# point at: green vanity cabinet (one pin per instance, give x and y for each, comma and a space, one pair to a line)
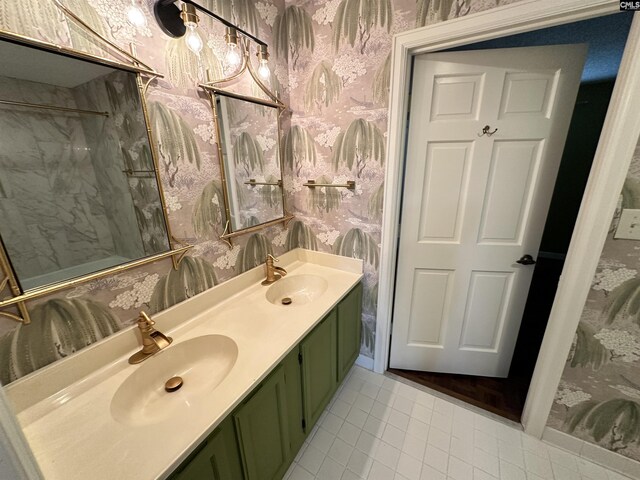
263, 430
217, 458
349, 330
259, 440
293, 384
319, 363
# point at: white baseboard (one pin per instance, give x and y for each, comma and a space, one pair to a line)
364, 362
611, 460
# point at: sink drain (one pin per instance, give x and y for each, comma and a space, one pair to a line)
286, 301
173, 384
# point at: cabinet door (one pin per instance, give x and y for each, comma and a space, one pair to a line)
217, 458
293, 382
349, 328
319, 363
263, 431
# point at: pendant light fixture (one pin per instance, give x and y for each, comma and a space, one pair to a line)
190, 19
135, 15
263, 59
177, 21
232, 57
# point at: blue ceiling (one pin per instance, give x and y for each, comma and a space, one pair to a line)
606, 37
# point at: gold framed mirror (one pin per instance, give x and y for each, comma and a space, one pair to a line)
80, 192
249, 149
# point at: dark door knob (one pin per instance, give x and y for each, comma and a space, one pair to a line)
526, 260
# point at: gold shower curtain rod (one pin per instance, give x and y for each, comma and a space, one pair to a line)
52, 107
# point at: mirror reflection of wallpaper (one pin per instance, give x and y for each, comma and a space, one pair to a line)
251, 152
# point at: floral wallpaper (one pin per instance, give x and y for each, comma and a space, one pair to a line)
598, 399
182, 123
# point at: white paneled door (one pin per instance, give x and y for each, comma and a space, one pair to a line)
474, 204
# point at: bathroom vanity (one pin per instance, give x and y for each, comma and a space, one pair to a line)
257, 375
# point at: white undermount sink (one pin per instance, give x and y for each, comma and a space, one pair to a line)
300, 289
202, 363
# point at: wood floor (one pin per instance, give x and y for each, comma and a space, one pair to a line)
502, 396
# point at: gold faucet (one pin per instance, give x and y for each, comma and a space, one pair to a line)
273, 273
152, 340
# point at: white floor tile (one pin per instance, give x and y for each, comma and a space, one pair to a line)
422, 413
462, 449
430, 473
360, 463
349, 433
341, 451
393, 436
357, 417
340, 408
381, 411
380, 472
388, 455
563, 473
418, 429
299, 473
436, 458
508, 471
348, 395
311, 459
398, 419
332, 423
409, 467
459, 470
414, 447
482, 475
349, 475
377, 428
322, 440
403, 404
439, 439
486, 462
443, 421
537, 465
511, 453
368, 443
485, 442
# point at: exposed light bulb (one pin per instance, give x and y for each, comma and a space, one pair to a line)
136, 16
263, 70
194, 42
232, 57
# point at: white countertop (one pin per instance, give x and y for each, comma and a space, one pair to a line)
71, 430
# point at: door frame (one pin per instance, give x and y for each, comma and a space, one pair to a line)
618, 140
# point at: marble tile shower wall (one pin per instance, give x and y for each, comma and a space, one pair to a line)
119, 143
46, 168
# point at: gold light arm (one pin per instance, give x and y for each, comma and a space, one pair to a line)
108, 42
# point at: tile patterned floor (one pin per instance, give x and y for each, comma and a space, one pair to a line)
377, 428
